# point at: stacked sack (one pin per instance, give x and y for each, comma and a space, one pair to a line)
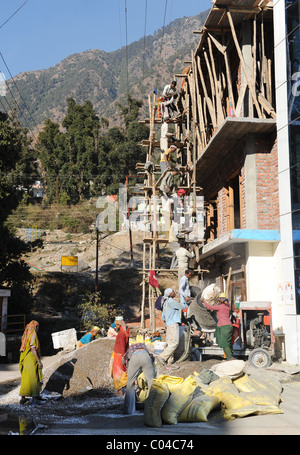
174, 399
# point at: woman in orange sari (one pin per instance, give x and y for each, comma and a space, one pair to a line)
118, 370
30, 363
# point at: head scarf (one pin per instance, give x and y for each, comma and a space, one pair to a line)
223, 299
95, 328
29, 330
168, 292
181, 191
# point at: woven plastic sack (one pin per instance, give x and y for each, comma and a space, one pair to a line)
211, 294
178, 400
159, 394
228, 394
199, 409
262, 392
232, 368
236, 404
173, 382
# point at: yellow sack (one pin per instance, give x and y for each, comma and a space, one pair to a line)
178, 400
143, 391
172, 381
262, 392
253, 409
236, 404
199, 409
228, 394
159, 394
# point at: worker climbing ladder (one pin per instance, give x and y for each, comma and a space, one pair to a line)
151, 172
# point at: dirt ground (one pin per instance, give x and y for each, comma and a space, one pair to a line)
78, 383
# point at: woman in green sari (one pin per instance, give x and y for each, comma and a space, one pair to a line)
30, 363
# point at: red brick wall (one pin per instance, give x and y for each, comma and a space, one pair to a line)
267, 185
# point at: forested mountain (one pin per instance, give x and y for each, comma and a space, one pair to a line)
101, 77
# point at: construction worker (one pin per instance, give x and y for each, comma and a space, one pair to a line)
172, 318
165, 136
137, 359
223, 332
183, 255
169, 95
184, 287
167, 158
168, 184
88, 337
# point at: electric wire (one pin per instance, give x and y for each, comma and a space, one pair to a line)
13, 79
21, 96
163, 30
145, 27
10, 17
126, 51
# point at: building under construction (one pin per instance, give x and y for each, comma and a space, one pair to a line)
225, 130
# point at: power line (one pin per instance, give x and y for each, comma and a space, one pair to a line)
18, 91
163, 31
126, 49
10, 17
145, 25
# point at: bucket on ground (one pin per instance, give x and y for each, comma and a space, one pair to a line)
159, 347
66, 339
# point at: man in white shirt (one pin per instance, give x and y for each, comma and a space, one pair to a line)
169, 94
165, 135
183, 255
184, 287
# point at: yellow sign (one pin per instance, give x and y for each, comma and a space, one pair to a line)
69, 260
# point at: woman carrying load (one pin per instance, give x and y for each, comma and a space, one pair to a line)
223, 330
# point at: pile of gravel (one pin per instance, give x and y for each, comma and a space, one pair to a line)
82, 369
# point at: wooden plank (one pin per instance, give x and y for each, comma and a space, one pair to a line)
207, 99
220, 116
250, 81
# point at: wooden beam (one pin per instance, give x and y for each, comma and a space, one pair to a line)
207, 99
250, 81
237, 9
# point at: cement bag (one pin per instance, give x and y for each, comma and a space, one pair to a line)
178, 400
159, 394
172, 382
228, 394
260, 392
253, 409
252, 384
236, 404
232, 368
199, 408
211, 294
143, 391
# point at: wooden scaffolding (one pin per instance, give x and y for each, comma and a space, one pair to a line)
152, 179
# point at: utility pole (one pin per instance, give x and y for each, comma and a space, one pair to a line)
97, 255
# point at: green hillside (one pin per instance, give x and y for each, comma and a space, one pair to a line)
101, 77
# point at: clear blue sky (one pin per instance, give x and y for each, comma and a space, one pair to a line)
44, 32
